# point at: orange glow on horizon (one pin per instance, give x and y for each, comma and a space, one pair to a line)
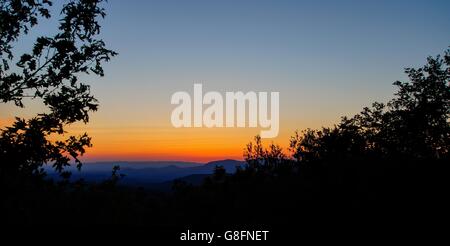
188, 144
166, 143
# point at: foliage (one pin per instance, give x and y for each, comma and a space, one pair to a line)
50, 72
387, 161
415, 124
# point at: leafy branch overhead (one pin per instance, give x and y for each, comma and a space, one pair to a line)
51, 72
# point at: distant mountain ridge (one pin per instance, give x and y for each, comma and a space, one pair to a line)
139, 164
148, 173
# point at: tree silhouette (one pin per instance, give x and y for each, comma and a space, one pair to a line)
388, 160
414, 124
50, 72
420, 113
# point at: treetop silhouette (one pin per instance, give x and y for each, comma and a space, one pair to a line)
50, 72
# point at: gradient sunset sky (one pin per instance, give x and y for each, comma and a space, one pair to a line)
326, 58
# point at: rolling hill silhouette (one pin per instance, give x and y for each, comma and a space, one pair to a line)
151, 174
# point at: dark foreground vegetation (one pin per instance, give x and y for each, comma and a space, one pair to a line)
388, 163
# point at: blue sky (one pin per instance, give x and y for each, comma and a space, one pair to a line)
346, 50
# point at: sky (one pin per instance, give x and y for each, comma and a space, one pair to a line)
327, 59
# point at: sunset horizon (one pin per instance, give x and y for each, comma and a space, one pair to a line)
318, 81
237, 121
